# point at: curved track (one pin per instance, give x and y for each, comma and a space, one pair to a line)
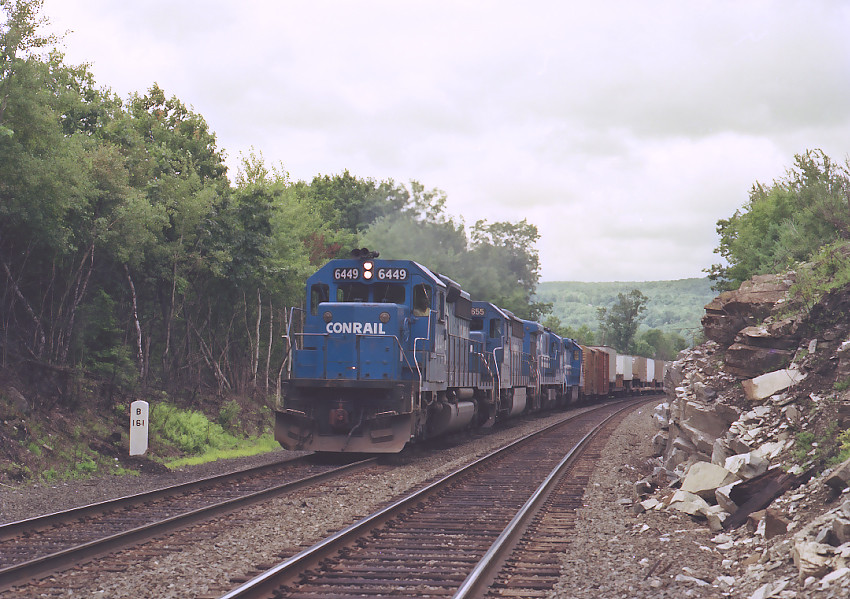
428, 544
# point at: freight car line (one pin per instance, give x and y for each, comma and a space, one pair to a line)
426, 543
388, 352
36, 546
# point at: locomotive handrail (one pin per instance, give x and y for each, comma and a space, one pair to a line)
403, 354
498, 370
288, 338
416, 357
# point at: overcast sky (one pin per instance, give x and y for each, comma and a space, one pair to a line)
623, 130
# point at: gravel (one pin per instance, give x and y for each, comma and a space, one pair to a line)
614, 553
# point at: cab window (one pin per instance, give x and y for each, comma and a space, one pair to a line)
495, 328
388, 293
352, 292
421, 300
318, 293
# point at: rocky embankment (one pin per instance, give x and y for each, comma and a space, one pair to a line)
748, 437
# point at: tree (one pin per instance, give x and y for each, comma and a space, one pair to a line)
660, 345
19, 36
786, 222
619, 323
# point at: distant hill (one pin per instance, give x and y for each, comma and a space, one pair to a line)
674, 306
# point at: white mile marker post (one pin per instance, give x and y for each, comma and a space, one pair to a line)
138, 427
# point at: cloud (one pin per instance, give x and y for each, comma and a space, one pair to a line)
623, 130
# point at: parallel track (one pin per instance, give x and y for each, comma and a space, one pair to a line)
427, 544
47, 543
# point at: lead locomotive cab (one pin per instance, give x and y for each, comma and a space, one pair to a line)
368, 370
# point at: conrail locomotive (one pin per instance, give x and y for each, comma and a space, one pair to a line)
388, 352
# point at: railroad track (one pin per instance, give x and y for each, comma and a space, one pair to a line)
37, 546
452, 537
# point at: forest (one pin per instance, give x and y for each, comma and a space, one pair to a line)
673, 308
131, 257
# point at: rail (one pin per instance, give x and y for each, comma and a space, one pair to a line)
72, 554
488, 566
309, 559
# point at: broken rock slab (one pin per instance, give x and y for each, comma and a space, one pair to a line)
748, 305
746, 465
723, 496
688, 503
840, 477
703, 479
762, 387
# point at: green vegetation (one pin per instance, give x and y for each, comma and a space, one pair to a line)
262, 444
785, 223
670, 322
618, 324
829, 269
803, 447
128, 256
189, 431
131, 265
843, 447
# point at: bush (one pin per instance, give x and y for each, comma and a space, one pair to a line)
190, 431
227, 414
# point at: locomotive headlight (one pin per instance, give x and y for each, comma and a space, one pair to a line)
327, 316
367, 274
384, 317
367, 269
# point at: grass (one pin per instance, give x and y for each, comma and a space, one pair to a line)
249, 447
829, 269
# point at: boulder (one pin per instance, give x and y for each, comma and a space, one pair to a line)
749, 305
812, 558
659, 443
688, 503
723, 496
715, 516
712, 420
660, 416
746, 465
769, 523
764, 386
719, 452
18, 400
840, 477
703, 479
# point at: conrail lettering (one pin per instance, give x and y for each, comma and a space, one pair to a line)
358, 328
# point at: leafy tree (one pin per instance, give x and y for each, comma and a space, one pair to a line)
786, 222
657, 344
619, 323
583, 334
19, 38
498, 263
353, 203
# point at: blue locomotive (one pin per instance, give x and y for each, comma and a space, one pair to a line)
389, 352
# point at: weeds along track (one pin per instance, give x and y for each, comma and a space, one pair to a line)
44, 544
451, 537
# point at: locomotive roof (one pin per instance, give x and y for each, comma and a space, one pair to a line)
506, 314
379, 262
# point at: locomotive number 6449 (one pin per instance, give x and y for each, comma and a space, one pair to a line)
392, 274
346, 274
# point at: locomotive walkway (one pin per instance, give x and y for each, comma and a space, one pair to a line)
491, 528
